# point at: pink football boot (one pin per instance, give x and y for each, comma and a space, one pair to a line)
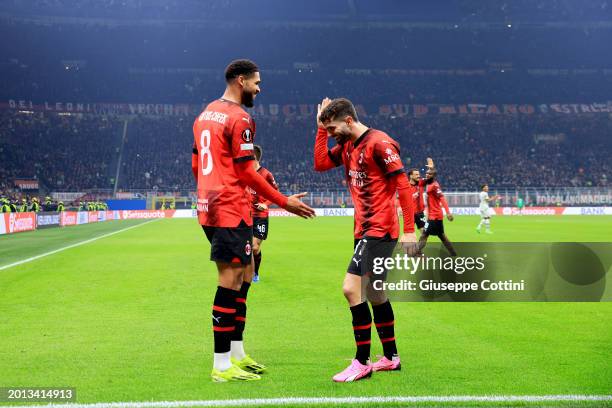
355, 371
384, 364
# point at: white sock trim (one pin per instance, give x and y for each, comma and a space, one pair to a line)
222, 361
237, 350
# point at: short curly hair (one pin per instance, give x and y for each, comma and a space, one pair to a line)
240, 67
339, 108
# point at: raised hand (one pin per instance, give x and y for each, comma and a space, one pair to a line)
326, 101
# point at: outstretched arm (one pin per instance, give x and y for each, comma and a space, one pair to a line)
262, 187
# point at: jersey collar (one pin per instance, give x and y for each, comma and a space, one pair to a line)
361, 138
228, 101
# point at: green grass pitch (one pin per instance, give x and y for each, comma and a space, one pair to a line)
127, 318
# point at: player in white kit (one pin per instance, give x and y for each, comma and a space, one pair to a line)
485, 215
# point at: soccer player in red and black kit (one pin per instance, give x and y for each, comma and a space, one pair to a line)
416, 190
374, 173
260, 212
222, 163
435, 216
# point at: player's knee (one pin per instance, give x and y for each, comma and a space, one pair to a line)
256, 248
351, 293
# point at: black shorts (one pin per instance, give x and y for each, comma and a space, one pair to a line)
230, 245
419, 220
260, 227
434, 227
366, 250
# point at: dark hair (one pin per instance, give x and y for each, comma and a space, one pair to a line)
339, 108
483, 186
258, 152
240, 67
413, 169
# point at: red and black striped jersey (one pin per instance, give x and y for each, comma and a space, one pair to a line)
223, 135
370, 164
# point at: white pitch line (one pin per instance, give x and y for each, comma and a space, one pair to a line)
331, 400
55, 251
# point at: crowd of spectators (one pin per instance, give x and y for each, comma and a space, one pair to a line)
64, 153
81, 152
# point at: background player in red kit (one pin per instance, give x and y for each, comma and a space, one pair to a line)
260, 212
222, 163
416, 190
435, 216
374, 173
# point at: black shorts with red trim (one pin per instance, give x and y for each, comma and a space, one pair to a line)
434, 227
419, 220
230, 245
260, 227
367, 254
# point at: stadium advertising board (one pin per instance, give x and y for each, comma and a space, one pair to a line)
82, 217
142, 214
17, 222
530, 211
68, 218
301, 110
26, 184
92, 216
47, 219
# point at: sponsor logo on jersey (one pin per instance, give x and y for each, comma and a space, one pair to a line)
202, 205
357, 177
358, 174
392, 157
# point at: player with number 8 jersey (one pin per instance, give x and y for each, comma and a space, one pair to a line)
224, 135
222, 164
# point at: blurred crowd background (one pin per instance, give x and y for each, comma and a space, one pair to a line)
65, 53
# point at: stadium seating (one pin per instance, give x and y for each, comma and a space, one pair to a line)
72, 153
